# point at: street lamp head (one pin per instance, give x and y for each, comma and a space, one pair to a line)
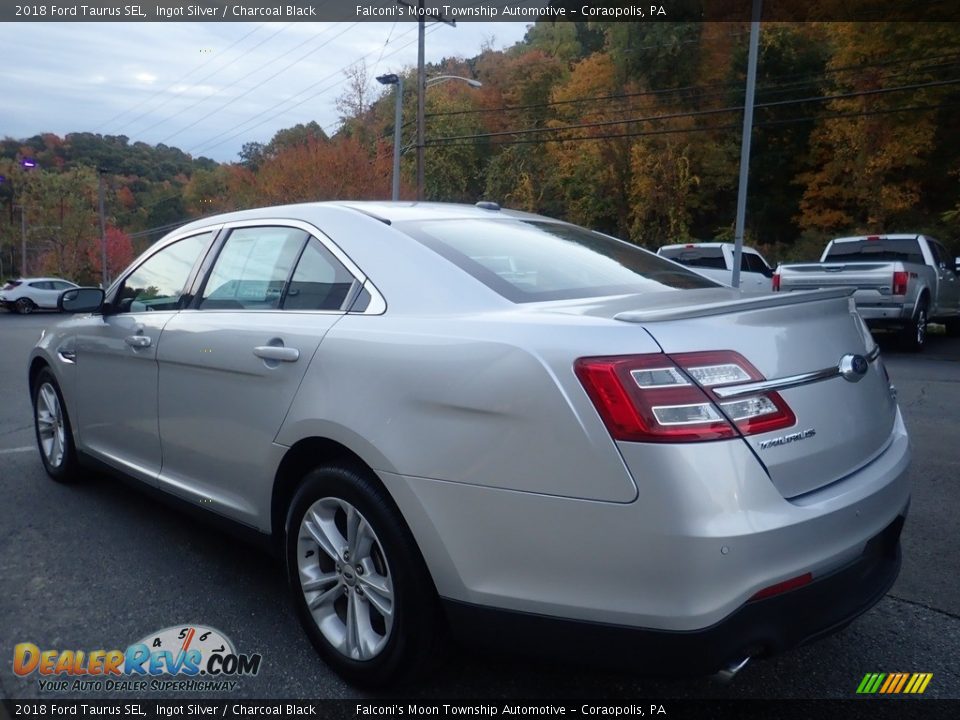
474, 83
391, 79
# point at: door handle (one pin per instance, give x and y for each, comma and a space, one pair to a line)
277, 352
138, 341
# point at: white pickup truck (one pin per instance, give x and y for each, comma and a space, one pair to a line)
715, 260
902, 281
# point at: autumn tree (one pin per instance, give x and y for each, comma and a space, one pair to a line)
868, 153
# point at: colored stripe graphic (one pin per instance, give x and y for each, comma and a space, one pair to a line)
894, 683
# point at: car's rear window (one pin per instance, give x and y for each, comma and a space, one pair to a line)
529, 260
882, 250
703, 257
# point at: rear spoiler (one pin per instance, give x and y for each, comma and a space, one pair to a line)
731, 306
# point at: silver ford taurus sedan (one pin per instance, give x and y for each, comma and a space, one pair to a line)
467, 418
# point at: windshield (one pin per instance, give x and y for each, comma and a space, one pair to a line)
530, 260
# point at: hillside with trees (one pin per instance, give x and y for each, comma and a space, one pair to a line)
633, 129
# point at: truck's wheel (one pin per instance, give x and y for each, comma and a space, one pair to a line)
914, 335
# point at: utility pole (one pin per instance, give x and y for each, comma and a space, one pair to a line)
422, 17
421, 102
745, 143
103, 230
23, 241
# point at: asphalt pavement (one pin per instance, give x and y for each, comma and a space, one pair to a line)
100, 565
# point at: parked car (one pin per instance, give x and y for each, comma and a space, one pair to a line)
28, 294
535, 435
902, 281
715, 260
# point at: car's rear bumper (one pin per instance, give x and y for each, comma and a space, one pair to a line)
757, 628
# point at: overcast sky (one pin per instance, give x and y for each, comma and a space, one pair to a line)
206, 88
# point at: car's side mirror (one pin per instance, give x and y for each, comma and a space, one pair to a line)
81, 300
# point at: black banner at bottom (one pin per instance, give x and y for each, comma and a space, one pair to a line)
720, 709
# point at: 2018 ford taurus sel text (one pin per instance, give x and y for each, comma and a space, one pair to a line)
470, 418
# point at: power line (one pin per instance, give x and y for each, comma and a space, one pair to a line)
259, 84
204, 78
712, 128
772, 87
240, 130
179, 80
697, 113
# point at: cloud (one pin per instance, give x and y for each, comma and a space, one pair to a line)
181, 83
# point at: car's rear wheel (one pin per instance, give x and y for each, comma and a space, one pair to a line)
25, 306
52, 426
360, 586
914, 336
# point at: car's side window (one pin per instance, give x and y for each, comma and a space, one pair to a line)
253, 268
320, 281
751, 262
42, 285
158, 283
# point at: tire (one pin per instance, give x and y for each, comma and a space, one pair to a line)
53, 430
394, 636
914, 336
24, 306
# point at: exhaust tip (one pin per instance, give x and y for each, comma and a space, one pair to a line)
727, 673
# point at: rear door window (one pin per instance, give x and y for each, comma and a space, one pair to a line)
252, 269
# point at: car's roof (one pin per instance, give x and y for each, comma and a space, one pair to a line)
705, 245
386, 211
889, 236
44, 279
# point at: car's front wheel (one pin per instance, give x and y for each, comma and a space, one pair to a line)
52, 426
24, 306
359, 583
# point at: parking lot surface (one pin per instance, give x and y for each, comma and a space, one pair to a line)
100, 565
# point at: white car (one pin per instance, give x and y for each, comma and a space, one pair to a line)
28, 294
715, 260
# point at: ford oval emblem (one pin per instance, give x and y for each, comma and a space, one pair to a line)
853, 367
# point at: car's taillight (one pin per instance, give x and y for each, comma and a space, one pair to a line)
10, 285
900, 282
668, 398
776, 282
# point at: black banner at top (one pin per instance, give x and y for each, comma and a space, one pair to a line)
525, 11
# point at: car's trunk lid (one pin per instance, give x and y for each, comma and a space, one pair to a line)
841, 425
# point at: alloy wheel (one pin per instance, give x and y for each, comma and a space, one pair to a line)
50, 425
345, 578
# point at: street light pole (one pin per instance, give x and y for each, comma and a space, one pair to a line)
397, 80
103, 231
23, 241
745, 145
